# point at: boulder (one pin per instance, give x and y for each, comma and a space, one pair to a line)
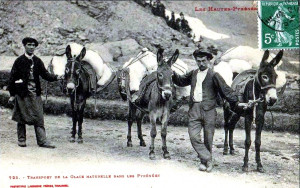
1, 31
127, 46
101, 50
112, 51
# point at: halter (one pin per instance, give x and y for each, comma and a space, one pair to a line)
160, 89
72, 72
263, 87
256, 101
78, 80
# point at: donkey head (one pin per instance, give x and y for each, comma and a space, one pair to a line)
73, 68
164, 73
266, 76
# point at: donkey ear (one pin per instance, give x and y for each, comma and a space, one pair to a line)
265, 58
277, 59
68, 52
173, 58
82, 54
160, 56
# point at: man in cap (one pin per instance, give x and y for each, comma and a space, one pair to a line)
172, 22
205, 85
25, 91
159, 9
183, 25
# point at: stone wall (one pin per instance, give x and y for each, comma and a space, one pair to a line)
118, 110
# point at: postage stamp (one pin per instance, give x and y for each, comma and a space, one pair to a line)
278, 24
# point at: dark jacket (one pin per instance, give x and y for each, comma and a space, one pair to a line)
211, 86
21, 70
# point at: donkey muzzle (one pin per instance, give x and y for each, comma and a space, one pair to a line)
271, 96
70, 86
166, 94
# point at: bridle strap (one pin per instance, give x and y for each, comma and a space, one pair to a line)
159, 89
263, 87
78, 81
72, 69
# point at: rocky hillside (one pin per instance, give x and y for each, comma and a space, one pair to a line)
55, 24
119, 29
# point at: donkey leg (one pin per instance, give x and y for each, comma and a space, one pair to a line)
248, 121
74, 120
131, 114
232, 151
129, 141
153, 135
166, 154
139, 129
225, 150
260, 122
226, 122
80, 121
235, 118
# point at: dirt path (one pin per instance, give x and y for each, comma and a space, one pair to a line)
104, 152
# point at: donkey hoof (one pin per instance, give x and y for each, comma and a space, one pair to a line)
142, 143
79, 140
129, 144
225, 152
166, 155
245, 169
72, 139
232, 152
260, 169
152, 155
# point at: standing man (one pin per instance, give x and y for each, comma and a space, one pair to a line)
183, 25
25, 91
205, 85
159, 9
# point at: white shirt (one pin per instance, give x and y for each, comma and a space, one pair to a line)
198, 88
29, 56
31, 83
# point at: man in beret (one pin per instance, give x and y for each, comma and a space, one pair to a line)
25, 91
205, 85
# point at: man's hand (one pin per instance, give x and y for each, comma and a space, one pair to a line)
61, 77
243, 105
11, 100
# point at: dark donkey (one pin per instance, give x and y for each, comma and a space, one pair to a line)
259, 93
77, 80
157, 104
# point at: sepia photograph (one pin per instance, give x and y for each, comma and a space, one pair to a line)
149, 93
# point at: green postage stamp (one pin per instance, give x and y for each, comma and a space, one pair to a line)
278, 24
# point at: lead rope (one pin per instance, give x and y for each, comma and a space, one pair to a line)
48, 69
272, 126
75, 99
254, 107
95, 98
46, 101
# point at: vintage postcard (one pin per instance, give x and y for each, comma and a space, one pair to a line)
149, 93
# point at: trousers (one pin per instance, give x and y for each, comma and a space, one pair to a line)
199, 118
40, 133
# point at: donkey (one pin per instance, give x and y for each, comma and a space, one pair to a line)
259, 92
77, 80
158, 104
